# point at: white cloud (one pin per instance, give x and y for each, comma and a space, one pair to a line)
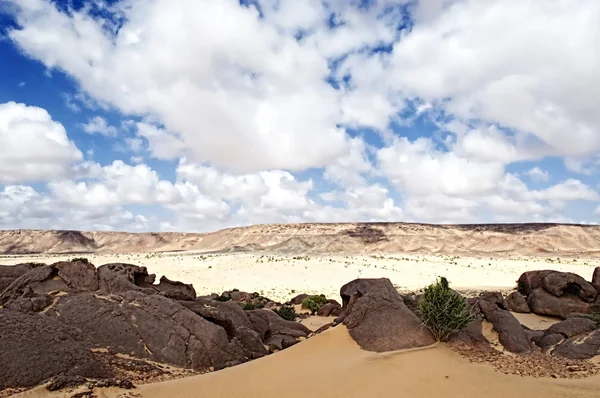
33, 147
99, 125
538, 175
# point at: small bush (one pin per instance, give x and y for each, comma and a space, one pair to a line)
80, 260
251, 306
287, 312
314, 303
443, 311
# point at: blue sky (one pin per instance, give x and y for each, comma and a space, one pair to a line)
199, 115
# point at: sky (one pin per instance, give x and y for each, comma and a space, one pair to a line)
196, 115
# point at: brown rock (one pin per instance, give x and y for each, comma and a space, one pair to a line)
559, 283
543, 303
534, 336
38, 281
120, 278
516, 302
510, 332
78, 275
596, 279
299, 299
531, 280
550, 340
572, 327
36, 347
377, 318
471, 337
152, 327
580, 347
328, 309
268, 323
175, 290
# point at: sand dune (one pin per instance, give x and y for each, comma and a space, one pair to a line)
497, 239
332, 365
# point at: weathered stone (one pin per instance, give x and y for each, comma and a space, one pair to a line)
550, 340
169, 288
572, 327
38, 281
299, 299
231, 317
78, 275
534, 336
596, 279
471, 337
516, 302
377, 318
119, 278
543, 303
559, 283
510, 332
531, 280
584, 346
279, 342
36, 347
329, 309
274, 324
151, 327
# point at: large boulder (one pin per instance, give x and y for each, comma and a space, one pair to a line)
543, 303
175, 290
511, 334
516, 302
78, 275
584, 346
38, 281
8, 274
596, 279
559, 283
531, 280
149, 326
297, 300
471, 337
330, 309
377, 318
276, 333
119, 278
572, 327
231, 317
36, 347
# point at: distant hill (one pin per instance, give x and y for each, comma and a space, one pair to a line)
478, 239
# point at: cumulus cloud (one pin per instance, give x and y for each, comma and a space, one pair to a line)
99, 125
33, 147
538, 175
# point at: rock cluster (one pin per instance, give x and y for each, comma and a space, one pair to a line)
71, 319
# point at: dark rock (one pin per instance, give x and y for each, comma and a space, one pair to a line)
510, 332
280, 342
596, 279
471, 337
572, 327
14, 271
559, 283
120, 278
78, 275
531, 280
412, 301
516, 302
580, 347
174, 289
152, 327
105, 383
38, 281
32, 303
329, 309
322, 329
543, 303
377, 318
276, 324
36, 347
550, 340
534, 336
61, 381
299, 299
231, 317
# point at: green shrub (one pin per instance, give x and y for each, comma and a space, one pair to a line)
287, 312
314, 303
443, 311
251, 306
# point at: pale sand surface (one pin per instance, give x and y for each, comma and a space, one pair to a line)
280, 276
332, 365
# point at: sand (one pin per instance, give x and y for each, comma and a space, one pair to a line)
282, 276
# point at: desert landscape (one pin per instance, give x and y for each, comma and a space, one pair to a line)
218, 320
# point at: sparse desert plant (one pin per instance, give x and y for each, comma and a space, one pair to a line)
314, 303
286, 312
444, 311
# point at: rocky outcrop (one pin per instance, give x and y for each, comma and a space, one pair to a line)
559, 283
78, 275
543, 303
584, 346
596, 278
572, 327
516, 302
36, 347
531, 280
330, 309
377, 318
510, 332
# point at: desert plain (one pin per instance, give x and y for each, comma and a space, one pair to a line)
331, 363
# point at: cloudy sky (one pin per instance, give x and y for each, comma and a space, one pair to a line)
194, 115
